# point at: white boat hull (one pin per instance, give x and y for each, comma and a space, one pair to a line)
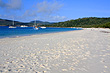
42, 27
12, 27
36, 28
23, 26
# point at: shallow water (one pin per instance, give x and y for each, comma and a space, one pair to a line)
24, 31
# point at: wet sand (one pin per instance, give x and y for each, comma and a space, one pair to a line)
83, 51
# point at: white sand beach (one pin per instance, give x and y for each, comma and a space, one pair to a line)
82, 51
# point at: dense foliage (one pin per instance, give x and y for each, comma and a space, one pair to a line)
83, 22
106, 25
5, 22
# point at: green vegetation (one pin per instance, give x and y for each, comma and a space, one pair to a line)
5, 22
81, 22
106, 25
84, 22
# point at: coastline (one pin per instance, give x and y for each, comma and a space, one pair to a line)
84, 51
29, 35
19, 31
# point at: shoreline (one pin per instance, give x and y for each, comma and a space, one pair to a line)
85, 51
22, 35
29, 35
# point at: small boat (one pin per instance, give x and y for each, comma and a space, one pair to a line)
12, 26
35, 27
23, 26
43, 27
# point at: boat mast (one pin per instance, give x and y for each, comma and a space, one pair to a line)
35, 23
13, 21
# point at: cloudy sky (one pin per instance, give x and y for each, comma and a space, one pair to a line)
53, 10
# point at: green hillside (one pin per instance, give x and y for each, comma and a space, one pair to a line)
83, 22
40, 22
5, 22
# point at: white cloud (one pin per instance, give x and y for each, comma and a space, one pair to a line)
15, 4
29, 13
49, 11
58, 18
46, 11
11, 4
48, 7
2, 4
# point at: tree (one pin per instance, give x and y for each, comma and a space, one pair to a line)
106, 25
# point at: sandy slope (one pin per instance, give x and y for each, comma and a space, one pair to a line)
84, 51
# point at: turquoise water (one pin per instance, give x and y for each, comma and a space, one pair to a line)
24, 31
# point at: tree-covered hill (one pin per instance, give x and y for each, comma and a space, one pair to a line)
40, 22
82, 22
5, 22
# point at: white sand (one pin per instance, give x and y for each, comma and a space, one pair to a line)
83, 51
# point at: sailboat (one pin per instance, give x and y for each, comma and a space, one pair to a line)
12, 26
23, 26
43, 27
35, 27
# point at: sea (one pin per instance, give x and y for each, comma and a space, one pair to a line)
6, 32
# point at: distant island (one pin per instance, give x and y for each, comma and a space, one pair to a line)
84, 23
6, 22
81, 22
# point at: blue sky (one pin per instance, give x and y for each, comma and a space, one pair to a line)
53, 10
